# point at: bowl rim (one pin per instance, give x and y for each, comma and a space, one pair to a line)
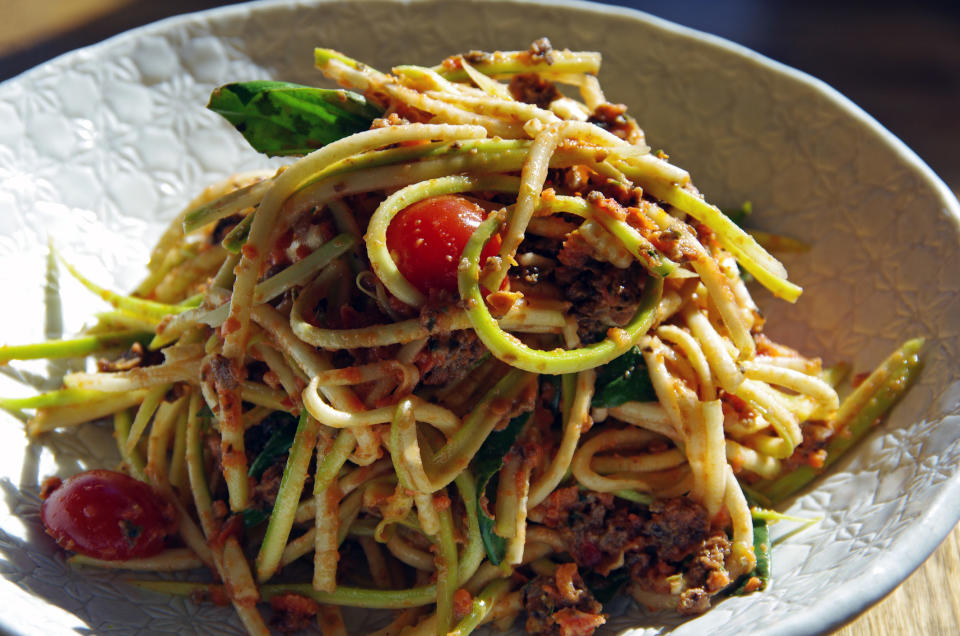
937, 520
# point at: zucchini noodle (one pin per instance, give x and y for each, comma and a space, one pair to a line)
454, 414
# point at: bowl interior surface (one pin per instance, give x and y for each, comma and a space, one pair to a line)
101, 147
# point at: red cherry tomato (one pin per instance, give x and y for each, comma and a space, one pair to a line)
427, 238
108, 515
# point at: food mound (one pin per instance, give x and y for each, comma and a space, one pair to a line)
477, 354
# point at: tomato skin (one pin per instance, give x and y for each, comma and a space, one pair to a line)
427, 238
108, 515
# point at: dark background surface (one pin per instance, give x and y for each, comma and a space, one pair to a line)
899, 61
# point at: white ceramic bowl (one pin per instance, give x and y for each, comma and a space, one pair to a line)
99, 147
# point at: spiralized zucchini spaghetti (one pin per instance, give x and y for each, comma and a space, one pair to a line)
484, 353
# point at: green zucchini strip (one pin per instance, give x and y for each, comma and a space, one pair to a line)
288, 497
510, 350
142, 308
768, 271
507, 63
857, 415
481, 607
74, 347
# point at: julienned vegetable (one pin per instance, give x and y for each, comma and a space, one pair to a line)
759, 578
511, 350
477, 352
858, 414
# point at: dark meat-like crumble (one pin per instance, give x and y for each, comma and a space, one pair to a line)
601, 296
561, 605
670, 536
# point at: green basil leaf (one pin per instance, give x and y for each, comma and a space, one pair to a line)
279, 118
494, 544
624, 379
555, 382
486, 464
278, 445
253, 517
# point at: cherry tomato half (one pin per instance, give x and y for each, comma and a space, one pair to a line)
108, 515
427, 238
